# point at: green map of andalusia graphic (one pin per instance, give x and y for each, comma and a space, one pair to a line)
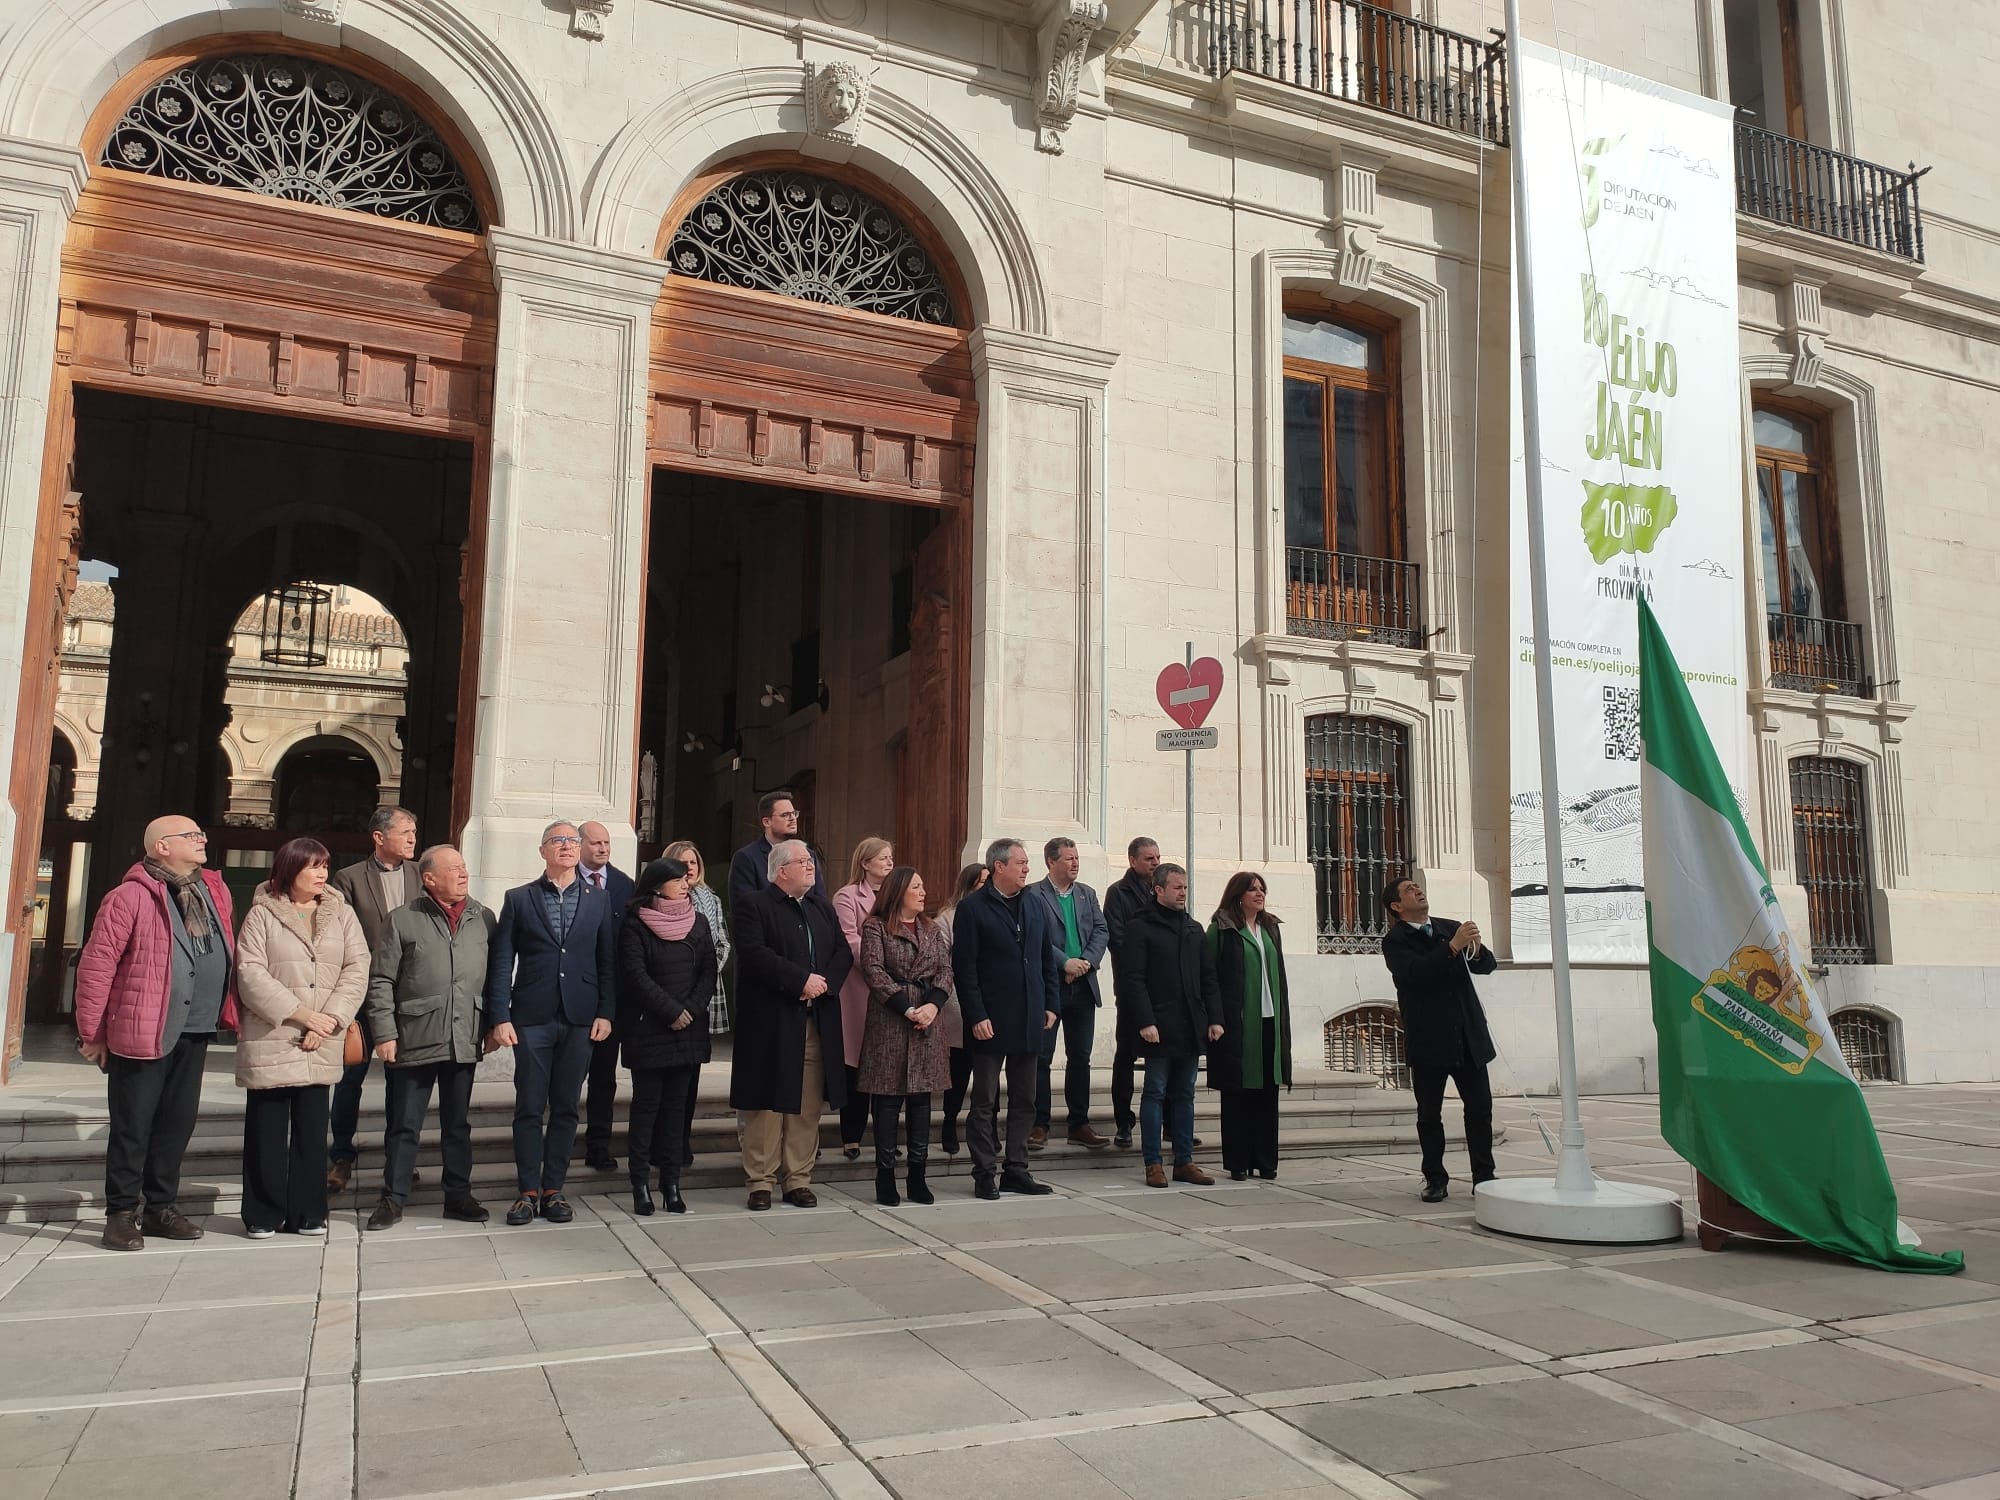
1625, 517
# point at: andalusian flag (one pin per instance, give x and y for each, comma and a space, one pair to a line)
1753, 1089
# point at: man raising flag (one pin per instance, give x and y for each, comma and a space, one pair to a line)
1753, 1090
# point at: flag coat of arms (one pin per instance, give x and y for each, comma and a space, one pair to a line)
1754, 1092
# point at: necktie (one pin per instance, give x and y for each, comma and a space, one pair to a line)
1427, 930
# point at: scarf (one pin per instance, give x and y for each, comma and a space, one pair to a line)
672, 922
192, 900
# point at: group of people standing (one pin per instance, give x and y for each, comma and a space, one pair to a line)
872, 1001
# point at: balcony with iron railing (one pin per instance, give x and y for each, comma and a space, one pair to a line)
1348, 50
1828, 193
1811, 655
1336, 596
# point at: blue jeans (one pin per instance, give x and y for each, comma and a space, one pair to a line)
1169, 1084
551, 1062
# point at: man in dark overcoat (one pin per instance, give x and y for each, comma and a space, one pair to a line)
1432, 959
790, 960
1009, 974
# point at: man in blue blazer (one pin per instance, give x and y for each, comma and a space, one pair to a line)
1009, 975
1076, 927
601, 1098
549, 997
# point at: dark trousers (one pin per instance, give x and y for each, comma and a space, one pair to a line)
601, 1098
410, 1100
551, 1062
1477, 1096
915, 1110
1122, 1065
153, 1106
1079, 1029
687, 1137
1250, 1130
346, 1113
954, 1097
854, 1113
982, 1131
284, 1157
658, 1135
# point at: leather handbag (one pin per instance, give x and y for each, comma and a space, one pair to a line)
354, 1046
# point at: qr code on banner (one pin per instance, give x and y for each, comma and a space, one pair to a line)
1621, 723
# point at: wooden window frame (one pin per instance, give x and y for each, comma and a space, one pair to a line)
1357, 918
1387, 385
1815, 849
1817, 464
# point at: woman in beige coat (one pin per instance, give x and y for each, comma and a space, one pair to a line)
301, 974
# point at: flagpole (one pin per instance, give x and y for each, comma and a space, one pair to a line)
1576, 1205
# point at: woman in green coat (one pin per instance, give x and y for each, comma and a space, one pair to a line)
1253, 1059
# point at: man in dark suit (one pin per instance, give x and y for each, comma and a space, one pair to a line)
548, 996
594, 868
749, 869
1076, 926
1131, 897
791, 959
1432, 960
1009, 977
377, 888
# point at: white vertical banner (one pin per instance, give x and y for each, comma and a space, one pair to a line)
1632, 196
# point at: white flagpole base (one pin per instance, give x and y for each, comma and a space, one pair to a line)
1607, 1213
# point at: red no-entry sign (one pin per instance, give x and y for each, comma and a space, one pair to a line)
1188, 690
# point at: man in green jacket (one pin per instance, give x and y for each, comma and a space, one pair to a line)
426, 1005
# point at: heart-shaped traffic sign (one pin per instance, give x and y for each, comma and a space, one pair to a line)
1188, 693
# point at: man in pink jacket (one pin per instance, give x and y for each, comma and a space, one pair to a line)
154, 982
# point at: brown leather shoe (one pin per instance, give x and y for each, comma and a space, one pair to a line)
171, 1224
1156, 1175
1189, 1172
1038, 1138
802, 1198
1083, 1135
121, 1231
338, 1176
759, 1201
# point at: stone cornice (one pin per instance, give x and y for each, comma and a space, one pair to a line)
581, 272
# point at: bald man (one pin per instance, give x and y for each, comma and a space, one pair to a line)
601, 1094
154, 982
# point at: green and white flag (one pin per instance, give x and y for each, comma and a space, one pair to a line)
1753, 1089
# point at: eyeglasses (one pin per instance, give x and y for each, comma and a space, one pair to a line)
192, 833
562, 840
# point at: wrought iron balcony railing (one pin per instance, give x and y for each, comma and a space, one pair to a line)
1338, 597
1372, 56
1828, 193
1811, 655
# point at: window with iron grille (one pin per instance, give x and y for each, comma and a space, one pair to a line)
1830, 843
1867, 1041
1368, 1039
1357, 824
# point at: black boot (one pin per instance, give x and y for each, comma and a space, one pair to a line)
885, 1187
918, 1133
642, 1199
919, 1190
670, 1193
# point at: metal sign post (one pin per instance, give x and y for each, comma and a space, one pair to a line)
1188, 692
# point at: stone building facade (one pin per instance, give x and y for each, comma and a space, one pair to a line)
1182, 322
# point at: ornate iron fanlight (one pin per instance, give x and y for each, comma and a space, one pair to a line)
812, 238
294, 128
295, 623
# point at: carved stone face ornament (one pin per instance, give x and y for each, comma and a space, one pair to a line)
836, 100
839, 97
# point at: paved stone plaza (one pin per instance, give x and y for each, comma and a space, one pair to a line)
1325, 1335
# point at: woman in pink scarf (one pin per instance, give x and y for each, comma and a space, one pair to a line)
666, 974
872, 862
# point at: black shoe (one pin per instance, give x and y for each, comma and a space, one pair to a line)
760, 1200
1021, 1182
523, 1211
985, 1187
468, 1208
1197, 1140
388, 1214
600, 1161
1434, 1192
642, 1200
917, 1190
670, 1195
852, 1153
1239, 1176
885, 1187
556, 1209
949, 1140
1123, 1139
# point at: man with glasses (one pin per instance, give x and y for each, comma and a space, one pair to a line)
778, 812
549, 997
154, 982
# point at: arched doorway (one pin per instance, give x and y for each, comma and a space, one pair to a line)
274, 352
809, 573
327, 783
